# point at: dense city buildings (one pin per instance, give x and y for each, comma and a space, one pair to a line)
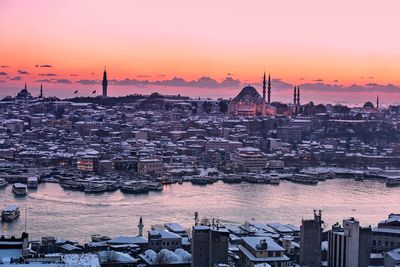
139, 143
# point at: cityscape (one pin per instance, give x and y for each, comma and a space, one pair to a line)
261, 167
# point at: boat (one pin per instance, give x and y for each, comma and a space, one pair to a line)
273, 178
202, 180
392, 181
19, 189
111, 185
3, 182
154, 186
232, 179
10, 213
304, 179
32, 182
95, 187
136, 187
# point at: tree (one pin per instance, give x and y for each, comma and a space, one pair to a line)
223, 106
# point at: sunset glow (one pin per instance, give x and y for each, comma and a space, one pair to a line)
336, 44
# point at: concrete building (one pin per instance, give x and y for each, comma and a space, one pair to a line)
150, 166
349, 246
261, 250
209, 246
162, 239
249, 158
310, 241
386, 236
392, 258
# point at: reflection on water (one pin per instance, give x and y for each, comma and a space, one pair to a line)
76, 215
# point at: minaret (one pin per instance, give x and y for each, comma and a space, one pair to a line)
294, 101
264, 88
377, 102
25, 87
269, 89
298, 99
140, 226
104, 83
41, 91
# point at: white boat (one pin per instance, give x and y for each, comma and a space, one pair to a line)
10, 213
19, 189
3, 182
32, 182
273, 178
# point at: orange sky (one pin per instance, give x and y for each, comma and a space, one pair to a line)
297, 41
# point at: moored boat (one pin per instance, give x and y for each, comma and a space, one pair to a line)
304, 179
32, 182
392, 181
136, 187
273, 178
10, 213
232, 179
19, 189
3, 182
94, 187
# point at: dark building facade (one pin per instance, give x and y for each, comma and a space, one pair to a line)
209, 246
310, 241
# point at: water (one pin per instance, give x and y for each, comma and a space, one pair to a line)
75, 215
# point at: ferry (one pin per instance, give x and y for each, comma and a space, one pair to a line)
392, 181
203, 180
232, 179
304, 179
32, 182
95, 187
3, 182
273, 178
10, 213
137, 187
19, 189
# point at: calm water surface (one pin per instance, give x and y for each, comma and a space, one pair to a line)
76, 215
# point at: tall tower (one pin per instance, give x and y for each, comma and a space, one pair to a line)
25, 87
269, 89
377, 102
140, 226
298, 99
295, 100
311, 238
104, 83
264, 88
41, 91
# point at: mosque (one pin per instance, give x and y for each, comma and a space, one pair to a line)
250, 103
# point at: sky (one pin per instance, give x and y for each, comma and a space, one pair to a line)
338, 51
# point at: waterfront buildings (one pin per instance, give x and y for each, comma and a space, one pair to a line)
249, 158
350, 245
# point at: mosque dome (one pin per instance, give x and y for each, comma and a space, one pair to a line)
369, 105
248, 93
